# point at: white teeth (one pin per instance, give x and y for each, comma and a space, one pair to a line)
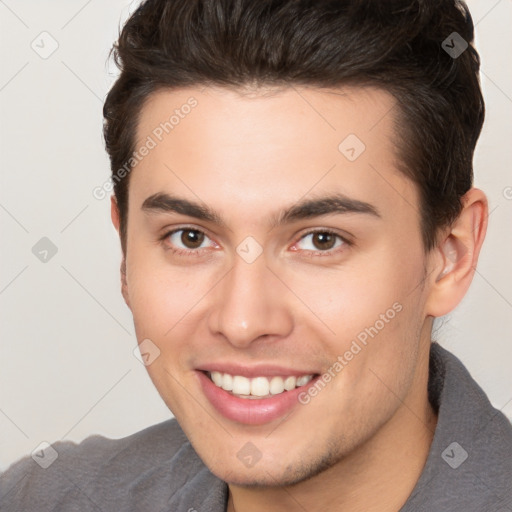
258, 386
290, 383
241, 385
217, 378
276, 385
303, 380
227, 382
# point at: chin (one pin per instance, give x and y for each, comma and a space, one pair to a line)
266, 474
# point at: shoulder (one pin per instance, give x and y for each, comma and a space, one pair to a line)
469, 466
103, 470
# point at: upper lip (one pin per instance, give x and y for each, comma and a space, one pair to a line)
261, 370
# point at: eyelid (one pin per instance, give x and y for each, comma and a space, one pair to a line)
347, 241
171, 231
344, 235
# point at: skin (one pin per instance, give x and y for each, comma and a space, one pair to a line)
362, 442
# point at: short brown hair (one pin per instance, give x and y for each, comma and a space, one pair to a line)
395, 45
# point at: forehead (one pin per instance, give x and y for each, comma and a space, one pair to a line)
245, 117
269, 145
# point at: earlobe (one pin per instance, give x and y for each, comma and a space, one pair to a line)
456, 256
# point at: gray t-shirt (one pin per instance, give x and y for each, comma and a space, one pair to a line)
469, 467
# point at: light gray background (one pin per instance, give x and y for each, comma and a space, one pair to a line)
67, 368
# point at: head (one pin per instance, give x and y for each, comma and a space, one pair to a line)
303, 199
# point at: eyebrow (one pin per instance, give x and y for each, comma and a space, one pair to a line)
166, 203
329, 205
306, 209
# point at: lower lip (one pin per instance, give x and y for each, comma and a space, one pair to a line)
251, 411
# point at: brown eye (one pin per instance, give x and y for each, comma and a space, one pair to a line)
187, 239
320, 241
191, 238
324, 241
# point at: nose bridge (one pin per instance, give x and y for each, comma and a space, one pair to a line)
246, 305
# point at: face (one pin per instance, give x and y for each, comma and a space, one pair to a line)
274, 248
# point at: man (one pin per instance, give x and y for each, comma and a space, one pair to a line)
293, 195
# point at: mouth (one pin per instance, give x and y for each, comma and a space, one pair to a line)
255, 399
260, 387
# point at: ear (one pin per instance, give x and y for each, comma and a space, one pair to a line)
454, 260
114, 214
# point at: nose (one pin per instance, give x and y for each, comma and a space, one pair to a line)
250, 303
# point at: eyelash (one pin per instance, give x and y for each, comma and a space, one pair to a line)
330, 252
178, 251
197, 252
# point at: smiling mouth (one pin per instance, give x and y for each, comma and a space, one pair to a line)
257, 387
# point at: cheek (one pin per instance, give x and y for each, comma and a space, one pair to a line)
161, 297
353, 296
368, 313
164, 300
